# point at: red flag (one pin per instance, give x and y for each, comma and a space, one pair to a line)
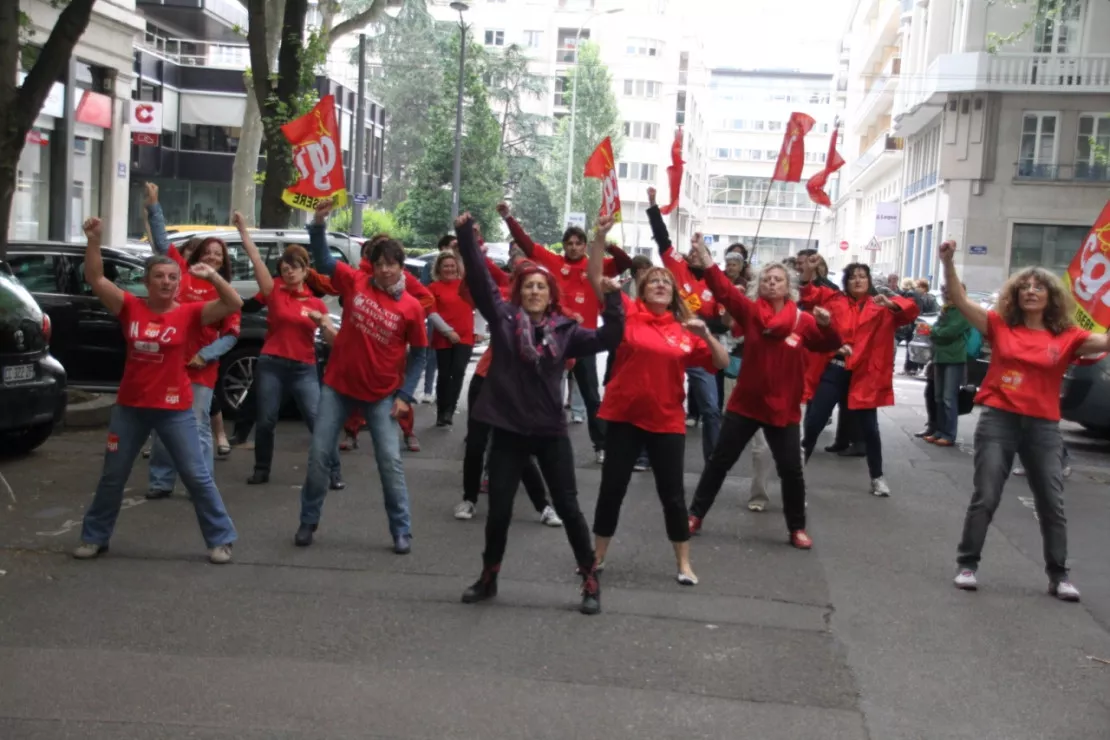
602, 166
317, 157
792, 156
674, 173
816, 184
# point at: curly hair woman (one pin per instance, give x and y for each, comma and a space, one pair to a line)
1033, 340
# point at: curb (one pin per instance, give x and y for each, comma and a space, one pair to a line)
95, 412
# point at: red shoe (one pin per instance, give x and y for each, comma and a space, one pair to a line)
942, 443
412, 444
800, 539
695, 524
931, 439
484, 488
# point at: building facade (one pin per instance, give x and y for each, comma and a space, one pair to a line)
749, 114
1004, 144
75, 163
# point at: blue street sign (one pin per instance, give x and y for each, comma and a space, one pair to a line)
360, 198
977, 249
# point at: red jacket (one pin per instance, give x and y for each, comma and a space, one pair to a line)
869, 329
695, 293
812, 296
772, 376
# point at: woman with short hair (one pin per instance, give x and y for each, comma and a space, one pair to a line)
453, 348
1033, 339
155, 393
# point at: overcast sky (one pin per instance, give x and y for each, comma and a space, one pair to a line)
794, 34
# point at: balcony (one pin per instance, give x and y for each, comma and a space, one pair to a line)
193, 53
881, 33
1078, 173
752, 212
880, 98
920, 186
566, 55
885, 150
1003, 73
211, 20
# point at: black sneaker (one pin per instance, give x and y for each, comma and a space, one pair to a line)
926, 432
854, 451
483, 588
258, 477
336, 483
836, 448
591, 593
154, 494
303, 537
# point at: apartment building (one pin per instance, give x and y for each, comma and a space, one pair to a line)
75, 163
659, 80
1003, 149
750, 111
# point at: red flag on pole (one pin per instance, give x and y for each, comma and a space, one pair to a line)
602, 166
674, 173
816, 184
316, 157
792, 156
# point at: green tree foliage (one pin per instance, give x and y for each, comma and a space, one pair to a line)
511, 85
428, 208
597, 116
373, 222
533, 206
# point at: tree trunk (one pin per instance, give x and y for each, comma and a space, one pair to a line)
11, 147
243, 187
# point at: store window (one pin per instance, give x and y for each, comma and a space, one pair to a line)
1051, 247
204, 138
31, 204
85, 191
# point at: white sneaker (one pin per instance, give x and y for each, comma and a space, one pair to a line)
641, 466
464, 510
691, 422
757, 503
966, 580
686, 580
1067, 472
88, 551
1064, 591
220, 555
599, 456
550, 518
1018, 470
879, 487
576, 419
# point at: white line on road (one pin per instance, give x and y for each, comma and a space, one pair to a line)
10, 491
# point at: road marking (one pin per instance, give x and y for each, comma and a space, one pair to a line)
70, 524
10, 491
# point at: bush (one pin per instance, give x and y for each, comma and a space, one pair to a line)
373, 222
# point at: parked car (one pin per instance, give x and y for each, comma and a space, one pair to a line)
87, 338
1085, 396
32, 381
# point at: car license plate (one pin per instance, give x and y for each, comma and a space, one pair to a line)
19, 374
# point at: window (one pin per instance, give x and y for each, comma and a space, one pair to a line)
36, 272
533, 39
641, 130
1038, 146
638, 47
756, 154
1092, 146
774, 125
757, 125
560, 92
642, 88
722, 153
1051, 247
495, 38
622, 170
202, 138
636, 171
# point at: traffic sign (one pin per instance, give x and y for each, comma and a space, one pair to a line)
843, 246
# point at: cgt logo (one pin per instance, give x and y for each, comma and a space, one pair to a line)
316, 159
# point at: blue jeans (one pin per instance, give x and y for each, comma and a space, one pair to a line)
703, 387
333, 411
577, 405
163, 475
947, 378
274, 377
177, 431
430, 365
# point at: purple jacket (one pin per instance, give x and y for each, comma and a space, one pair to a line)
522, 396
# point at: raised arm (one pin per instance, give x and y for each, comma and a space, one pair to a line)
1093, 345
155, 220
486, 296
520, 236
975, 314
228, 301
262, 274
108, 292
595, 266
618, 262
658, 228
728, 295
318, 239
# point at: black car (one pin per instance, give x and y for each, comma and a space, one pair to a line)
87, 338
32, 382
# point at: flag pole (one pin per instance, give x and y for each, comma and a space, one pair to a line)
758, 226
813, 223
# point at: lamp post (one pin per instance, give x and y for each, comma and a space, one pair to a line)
574, 105
457, 175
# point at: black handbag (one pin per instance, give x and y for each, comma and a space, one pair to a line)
966, 401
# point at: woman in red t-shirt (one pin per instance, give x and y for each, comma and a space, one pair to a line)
643, 407
1033, 339
155, 393
768, 392
453, 348
287, 362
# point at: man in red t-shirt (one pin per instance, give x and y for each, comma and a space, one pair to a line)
376, 360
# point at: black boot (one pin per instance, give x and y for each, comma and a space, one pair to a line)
441, 419
258, 477
836, 447
854, 450
303, 537
484, 588
591, 592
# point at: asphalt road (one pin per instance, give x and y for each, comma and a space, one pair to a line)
864, 637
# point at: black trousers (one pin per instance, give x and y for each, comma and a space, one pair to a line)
666, 453
930, 398
585, 375
736, 432
509, 453
451, 368
474, 457
832, 389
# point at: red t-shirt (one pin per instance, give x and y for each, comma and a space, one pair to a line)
1027, 368
369, 354
191, 289
290, 333
695, 293
647, 385
154, 374
194, 290
455, 309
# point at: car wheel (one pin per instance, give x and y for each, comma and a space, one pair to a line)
26, 440
236, 379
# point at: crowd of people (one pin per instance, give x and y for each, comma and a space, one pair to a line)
766, 353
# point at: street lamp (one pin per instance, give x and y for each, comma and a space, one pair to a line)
574, 105
457, 176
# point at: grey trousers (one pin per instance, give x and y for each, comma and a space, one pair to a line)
998, 437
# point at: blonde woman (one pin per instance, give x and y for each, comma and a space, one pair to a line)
454, 347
